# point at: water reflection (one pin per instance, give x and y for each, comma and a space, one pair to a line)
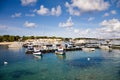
61, 56
85, 63
15, 49
112, 54
88, 51
37, 57
19, 73
107, 50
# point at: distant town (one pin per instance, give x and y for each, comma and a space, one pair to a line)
70, 42
11, 38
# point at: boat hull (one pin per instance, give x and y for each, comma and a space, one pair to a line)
60, 53
37, 53
105, 47
88, 49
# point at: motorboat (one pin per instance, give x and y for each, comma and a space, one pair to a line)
29, 49
105, 47
88, 49
60, 50
37, 51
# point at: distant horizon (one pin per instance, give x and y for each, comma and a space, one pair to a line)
66, 18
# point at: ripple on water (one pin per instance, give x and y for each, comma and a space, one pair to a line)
20, 73
2, 76
83, 62
44, 70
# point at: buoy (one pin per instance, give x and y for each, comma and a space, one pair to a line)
88, 59
5, 62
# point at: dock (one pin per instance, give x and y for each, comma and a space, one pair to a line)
53, 50
115, 47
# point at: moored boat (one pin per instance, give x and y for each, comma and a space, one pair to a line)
88, 49
29, 49
60, 50
105, 47
37, 51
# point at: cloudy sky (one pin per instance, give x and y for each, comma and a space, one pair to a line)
63, 18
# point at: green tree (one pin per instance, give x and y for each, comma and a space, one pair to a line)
24, 38
1, 38
11, 38
5, 37
32, 37
66, 39
17, 38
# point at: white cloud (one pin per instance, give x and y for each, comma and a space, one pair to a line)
86, 32
110, 28
71, 10
42, 10
31, 15
107, 29
112, 25
16, 15
30, 24
56, 11
113, 12
106, 14
91, 18
67, 24
80, 6
28, 2
45, 11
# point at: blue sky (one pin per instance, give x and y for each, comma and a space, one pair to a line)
63, 18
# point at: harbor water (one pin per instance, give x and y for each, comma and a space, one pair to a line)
74, 65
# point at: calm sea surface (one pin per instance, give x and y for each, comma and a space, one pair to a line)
74, 65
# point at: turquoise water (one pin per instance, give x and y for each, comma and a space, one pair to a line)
74, 65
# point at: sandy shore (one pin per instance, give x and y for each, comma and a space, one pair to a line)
6, 43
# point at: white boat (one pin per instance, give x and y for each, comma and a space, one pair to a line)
29, 49
37, 51
88, 49
105, 47
60, 51
37, 57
